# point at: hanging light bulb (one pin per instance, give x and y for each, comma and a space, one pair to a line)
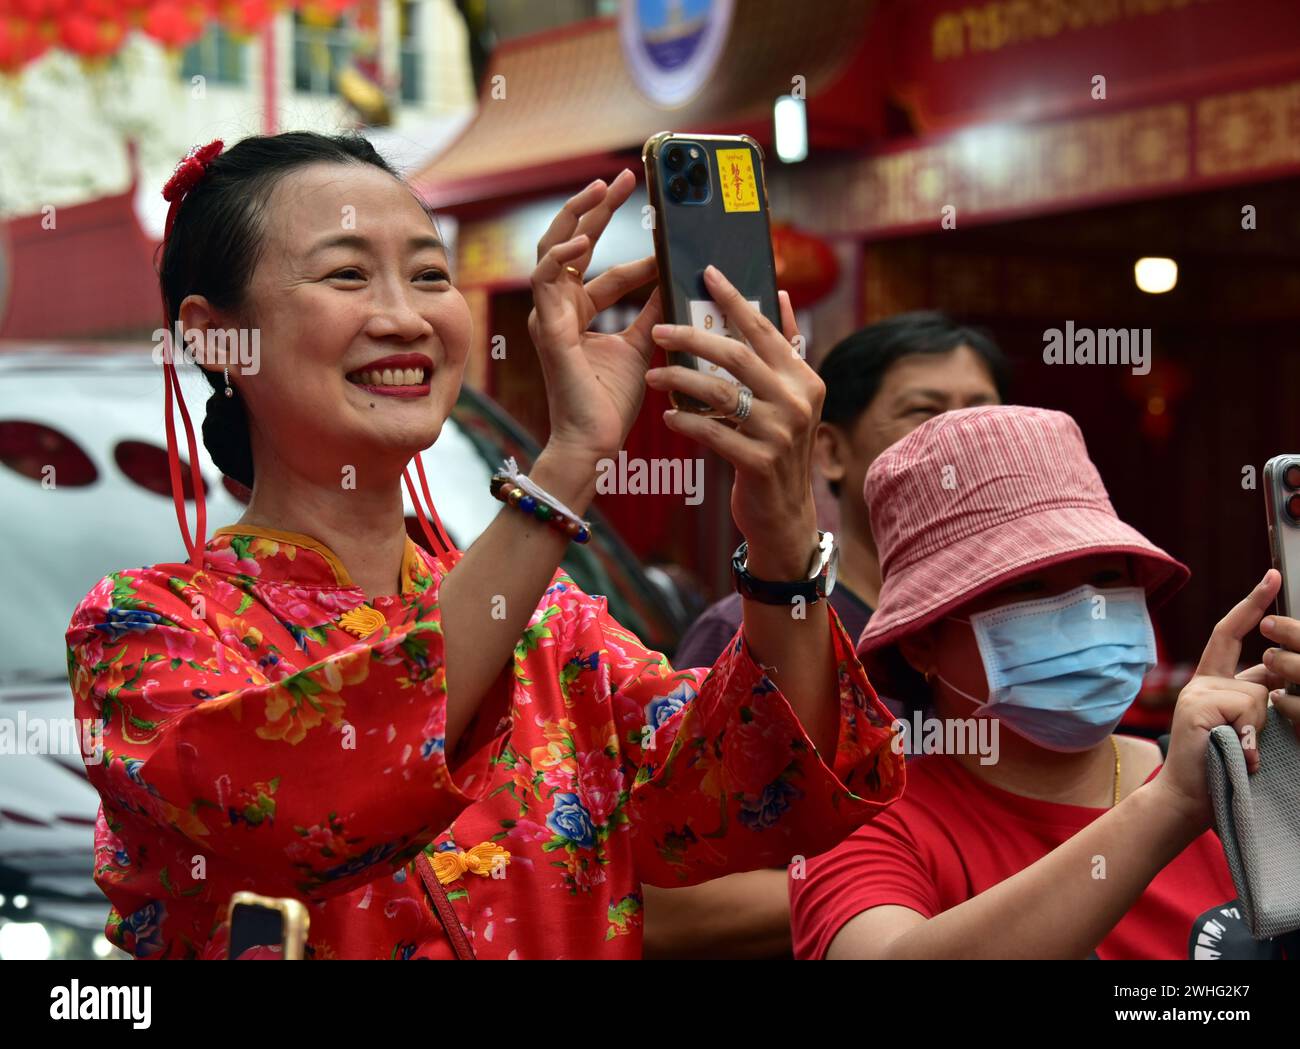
1155, 276
790, 120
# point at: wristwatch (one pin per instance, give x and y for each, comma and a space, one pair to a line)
819, 583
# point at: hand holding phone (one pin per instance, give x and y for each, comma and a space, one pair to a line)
709, 203
1282, 507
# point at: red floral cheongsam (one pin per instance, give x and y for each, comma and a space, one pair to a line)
251, 742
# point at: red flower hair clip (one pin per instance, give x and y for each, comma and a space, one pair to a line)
191, 170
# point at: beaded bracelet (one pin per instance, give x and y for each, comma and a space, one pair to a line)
518, 490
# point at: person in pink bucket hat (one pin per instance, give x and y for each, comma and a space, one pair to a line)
1014, 613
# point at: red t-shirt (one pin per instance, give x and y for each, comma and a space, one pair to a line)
951, 836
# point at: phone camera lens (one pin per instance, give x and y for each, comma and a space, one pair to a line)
675, 158
677, 188
698, 174
1291, 476
1293, 507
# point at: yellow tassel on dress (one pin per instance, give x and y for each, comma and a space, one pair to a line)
449, 866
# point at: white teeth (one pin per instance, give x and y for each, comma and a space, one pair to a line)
391, 377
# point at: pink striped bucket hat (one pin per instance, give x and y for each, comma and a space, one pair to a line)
974, 498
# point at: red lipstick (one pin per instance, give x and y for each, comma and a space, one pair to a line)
395, 364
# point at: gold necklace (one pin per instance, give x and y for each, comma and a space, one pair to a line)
1115, 744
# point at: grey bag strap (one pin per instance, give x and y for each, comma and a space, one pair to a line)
1257, 819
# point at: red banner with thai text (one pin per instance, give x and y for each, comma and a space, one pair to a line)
961, 62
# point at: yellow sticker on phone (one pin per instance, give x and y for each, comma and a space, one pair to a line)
736, 174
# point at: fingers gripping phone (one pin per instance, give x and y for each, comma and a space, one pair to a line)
1282, 504
266, 928
710, 207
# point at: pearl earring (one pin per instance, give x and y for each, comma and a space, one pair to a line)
229, 391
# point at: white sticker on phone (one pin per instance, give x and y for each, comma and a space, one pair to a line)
707, 315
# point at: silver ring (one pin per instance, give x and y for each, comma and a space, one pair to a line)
744, 403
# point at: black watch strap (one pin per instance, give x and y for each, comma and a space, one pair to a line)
784, 592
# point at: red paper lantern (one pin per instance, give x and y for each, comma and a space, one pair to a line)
805, 265
103, 10
1158, 393
21, 42
134, 10
247, 17
176, 23
96, 28
90, 34
41, 10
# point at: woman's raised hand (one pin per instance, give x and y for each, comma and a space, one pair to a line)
771, 449
594, 382
1218, 695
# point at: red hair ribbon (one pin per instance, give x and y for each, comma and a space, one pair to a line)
439, 542
188, 174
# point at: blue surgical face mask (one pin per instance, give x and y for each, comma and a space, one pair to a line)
1062, 670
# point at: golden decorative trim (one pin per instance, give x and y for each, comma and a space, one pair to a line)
280, 535
410, 554
1000, 171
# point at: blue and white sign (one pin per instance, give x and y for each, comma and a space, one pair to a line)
672, 46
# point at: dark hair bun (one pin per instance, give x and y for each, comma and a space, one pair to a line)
225, 433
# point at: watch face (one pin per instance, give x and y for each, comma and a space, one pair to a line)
833, 569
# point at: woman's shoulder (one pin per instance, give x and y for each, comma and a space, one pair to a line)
939, 795
931, 776
1140, 760
147, 589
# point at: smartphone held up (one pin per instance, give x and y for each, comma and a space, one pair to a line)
1282, 505
710, 208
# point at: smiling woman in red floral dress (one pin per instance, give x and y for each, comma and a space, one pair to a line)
463, 754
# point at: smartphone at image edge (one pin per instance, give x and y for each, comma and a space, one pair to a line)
710, 207
1282, 505
266, 928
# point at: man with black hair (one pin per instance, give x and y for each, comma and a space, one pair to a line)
882, 382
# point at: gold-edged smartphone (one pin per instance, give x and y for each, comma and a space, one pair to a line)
710, 207
267, 928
